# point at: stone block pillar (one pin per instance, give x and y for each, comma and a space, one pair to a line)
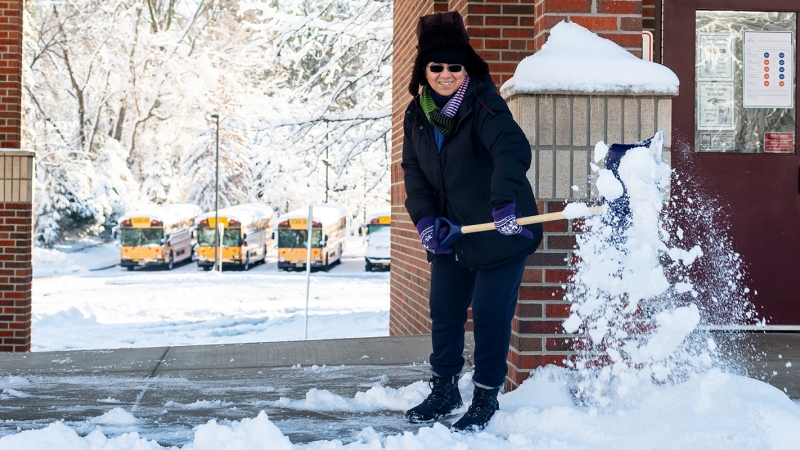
562, 128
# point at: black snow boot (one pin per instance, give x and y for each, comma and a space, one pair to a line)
484, 404
443, 400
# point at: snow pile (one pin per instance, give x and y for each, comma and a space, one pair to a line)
200, 404
47, 262
116, 416
377, 398
575, 59
634, 295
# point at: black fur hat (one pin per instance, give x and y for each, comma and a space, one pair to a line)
444, 31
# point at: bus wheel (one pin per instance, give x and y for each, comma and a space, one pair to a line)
264, 259
246, 265
171, 262
368, 267
130, 268
206, 268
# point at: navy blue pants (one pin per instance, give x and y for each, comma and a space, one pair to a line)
493, 295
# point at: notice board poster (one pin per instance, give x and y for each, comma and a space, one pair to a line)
768, 80
715, 107
714, 56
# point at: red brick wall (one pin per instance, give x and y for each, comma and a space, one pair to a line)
10, 73
410, 274
16, 219
502, 33
537, 338
16, 275
617, 20
649, 15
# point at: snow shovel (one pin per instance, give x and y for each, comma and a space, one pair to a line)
456, 231
620, 207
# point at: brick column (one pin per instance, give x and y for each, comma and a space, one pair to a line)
16, 245
16, 191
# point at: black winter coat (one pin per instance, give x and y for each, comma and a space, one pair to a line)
483, 163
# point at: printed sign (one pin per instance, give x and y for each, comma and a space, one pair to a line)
715, 108
385, 219
717, 142
299, 223
768, 64
714, 56
140, 222
212, 221
779, 142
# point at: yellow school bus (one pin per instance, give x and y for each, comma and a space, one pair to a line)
328, 235
160, 235
246, 236
378, 220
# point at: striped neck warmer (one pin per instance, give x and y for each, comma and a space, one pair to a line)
442, 119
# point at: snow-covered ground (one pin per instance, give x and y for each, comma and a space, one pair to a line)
710, 411
82, 300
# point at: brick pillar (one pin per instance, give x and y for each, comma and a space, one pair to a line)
16, 191
16, 245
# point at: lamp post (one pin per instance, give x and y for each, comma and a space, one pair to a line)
217, 237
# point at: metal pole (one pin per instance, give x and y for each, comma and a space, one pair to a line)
326, 174
308, 265
217, 236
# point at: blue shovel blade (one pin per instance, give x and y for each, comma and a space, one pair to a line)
453, 231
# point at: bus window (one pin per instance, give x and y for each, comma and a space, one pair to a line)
230, 237
141, 237
297, 238
373, 227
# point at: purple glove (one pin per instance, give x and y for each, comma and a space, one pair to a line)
429, 241
505, 221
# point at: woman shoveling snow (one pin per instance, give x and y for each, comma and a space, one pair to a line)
465, 159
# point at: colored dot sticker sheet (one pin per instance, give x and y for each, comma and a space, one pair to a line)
768, 69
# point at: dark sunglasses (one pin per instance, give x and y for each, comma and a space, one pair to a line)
452, 68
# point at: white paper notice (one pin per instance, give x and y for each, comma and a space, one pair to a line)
715, 106
768, 63
714, 56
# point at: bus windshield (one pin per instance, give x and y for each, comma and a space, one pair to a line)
373, 227
230, 238
141, 237
297, 238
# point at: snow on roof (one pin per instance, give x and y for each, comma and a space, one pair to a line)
323, 212
244, 213
168, 214
381, 213
576, 60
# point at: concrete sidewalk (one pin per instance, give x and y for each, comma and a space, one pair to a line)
173, 389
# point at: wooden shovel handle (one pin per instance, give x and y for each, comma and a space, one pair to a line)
526, 220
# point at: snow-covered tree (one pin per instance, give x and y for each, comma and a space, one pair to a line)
118, 96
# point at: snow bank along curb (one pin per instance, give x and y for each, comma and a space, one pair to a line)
576, 61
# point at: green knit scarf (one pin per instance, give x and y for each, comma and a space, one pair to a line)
444, 124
